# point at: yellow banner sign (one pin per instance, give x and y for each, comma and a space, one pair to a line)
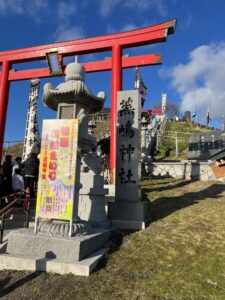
56, 184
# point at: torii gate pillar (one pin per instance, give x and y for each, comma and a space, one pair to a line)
116, 86
4, 92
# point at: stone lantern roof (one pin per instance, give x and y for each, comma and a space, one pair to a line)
73, 90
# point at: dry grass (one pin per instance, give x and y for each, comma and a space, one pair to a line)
167, 148
14, 150
181, 255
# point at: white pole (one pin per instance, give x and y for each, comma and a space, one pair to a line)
176, 143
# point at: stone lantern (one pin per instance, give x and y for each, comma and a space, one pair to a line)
72, 99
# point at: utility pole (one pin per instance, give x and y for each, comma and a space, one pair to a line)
223, 123
176, 143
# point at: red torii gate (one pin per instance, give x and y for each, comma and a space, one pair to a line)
111, 42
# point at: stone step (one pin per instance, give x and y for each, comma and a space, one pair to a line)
11, 226
80, 268
14, 224
20, 214
17, 220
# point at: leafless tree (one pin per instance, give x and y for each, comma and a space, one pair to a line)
172, 109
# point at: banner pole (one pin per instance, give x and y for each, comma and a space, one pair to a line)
35, 224
71, 228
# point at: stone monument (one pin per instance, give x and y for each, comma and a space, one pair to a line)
58, 245
187, 116
205, 144
32, 136
128, 211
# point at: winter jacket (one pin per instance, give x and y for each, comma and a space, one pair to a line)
31, 167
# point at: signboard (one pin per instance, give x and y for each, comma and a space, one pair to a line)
219, 171
56, 184
54, 63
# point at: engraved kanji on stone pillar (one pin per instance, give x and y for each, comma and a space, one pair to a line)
128, 145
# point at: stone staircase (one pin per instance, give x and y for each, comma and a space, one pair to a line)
150, 137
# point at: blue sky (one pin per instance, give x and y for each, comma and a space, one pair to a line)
192, 72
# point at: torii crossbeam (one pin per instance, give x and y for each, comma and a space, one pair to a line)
111, 42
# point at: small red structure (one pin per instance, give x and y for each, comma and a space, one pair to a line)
218, 164
111, 42
26, 198
152, 112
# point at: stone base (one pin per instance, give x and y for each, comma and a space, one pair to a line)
110, 197
128, 215
107, 224
128, 225
25, 243
81, 268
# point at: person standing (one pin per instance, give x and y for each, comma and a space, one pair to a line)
31, 173
17, 181
2, 184
7, 172
16, 164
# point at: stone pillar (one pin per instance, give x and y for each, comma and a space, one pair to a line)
128, 211
92, 201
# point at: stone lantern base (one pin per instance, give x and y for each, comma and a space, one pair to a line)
79, 255
92, 206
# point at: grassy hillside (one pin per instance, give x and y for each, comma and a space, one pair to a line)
14, 150
167, 149
183, 130
180, 256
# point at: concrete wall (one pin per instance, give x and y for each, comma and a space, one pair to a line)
184, 169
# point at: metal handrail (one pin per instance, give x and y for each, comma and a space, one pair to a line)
4, 209
8, 209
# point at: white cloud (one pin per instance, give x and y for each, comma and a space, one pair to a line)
9, 6
159, 6
66, 10
201, 81
111, 29
125, 27
19, 7
128, 27
66, 33
61, 14
187, 22
138, 4
106, 6
40, 10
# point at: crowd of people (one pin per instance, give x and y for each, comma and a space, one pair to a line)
17, 176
